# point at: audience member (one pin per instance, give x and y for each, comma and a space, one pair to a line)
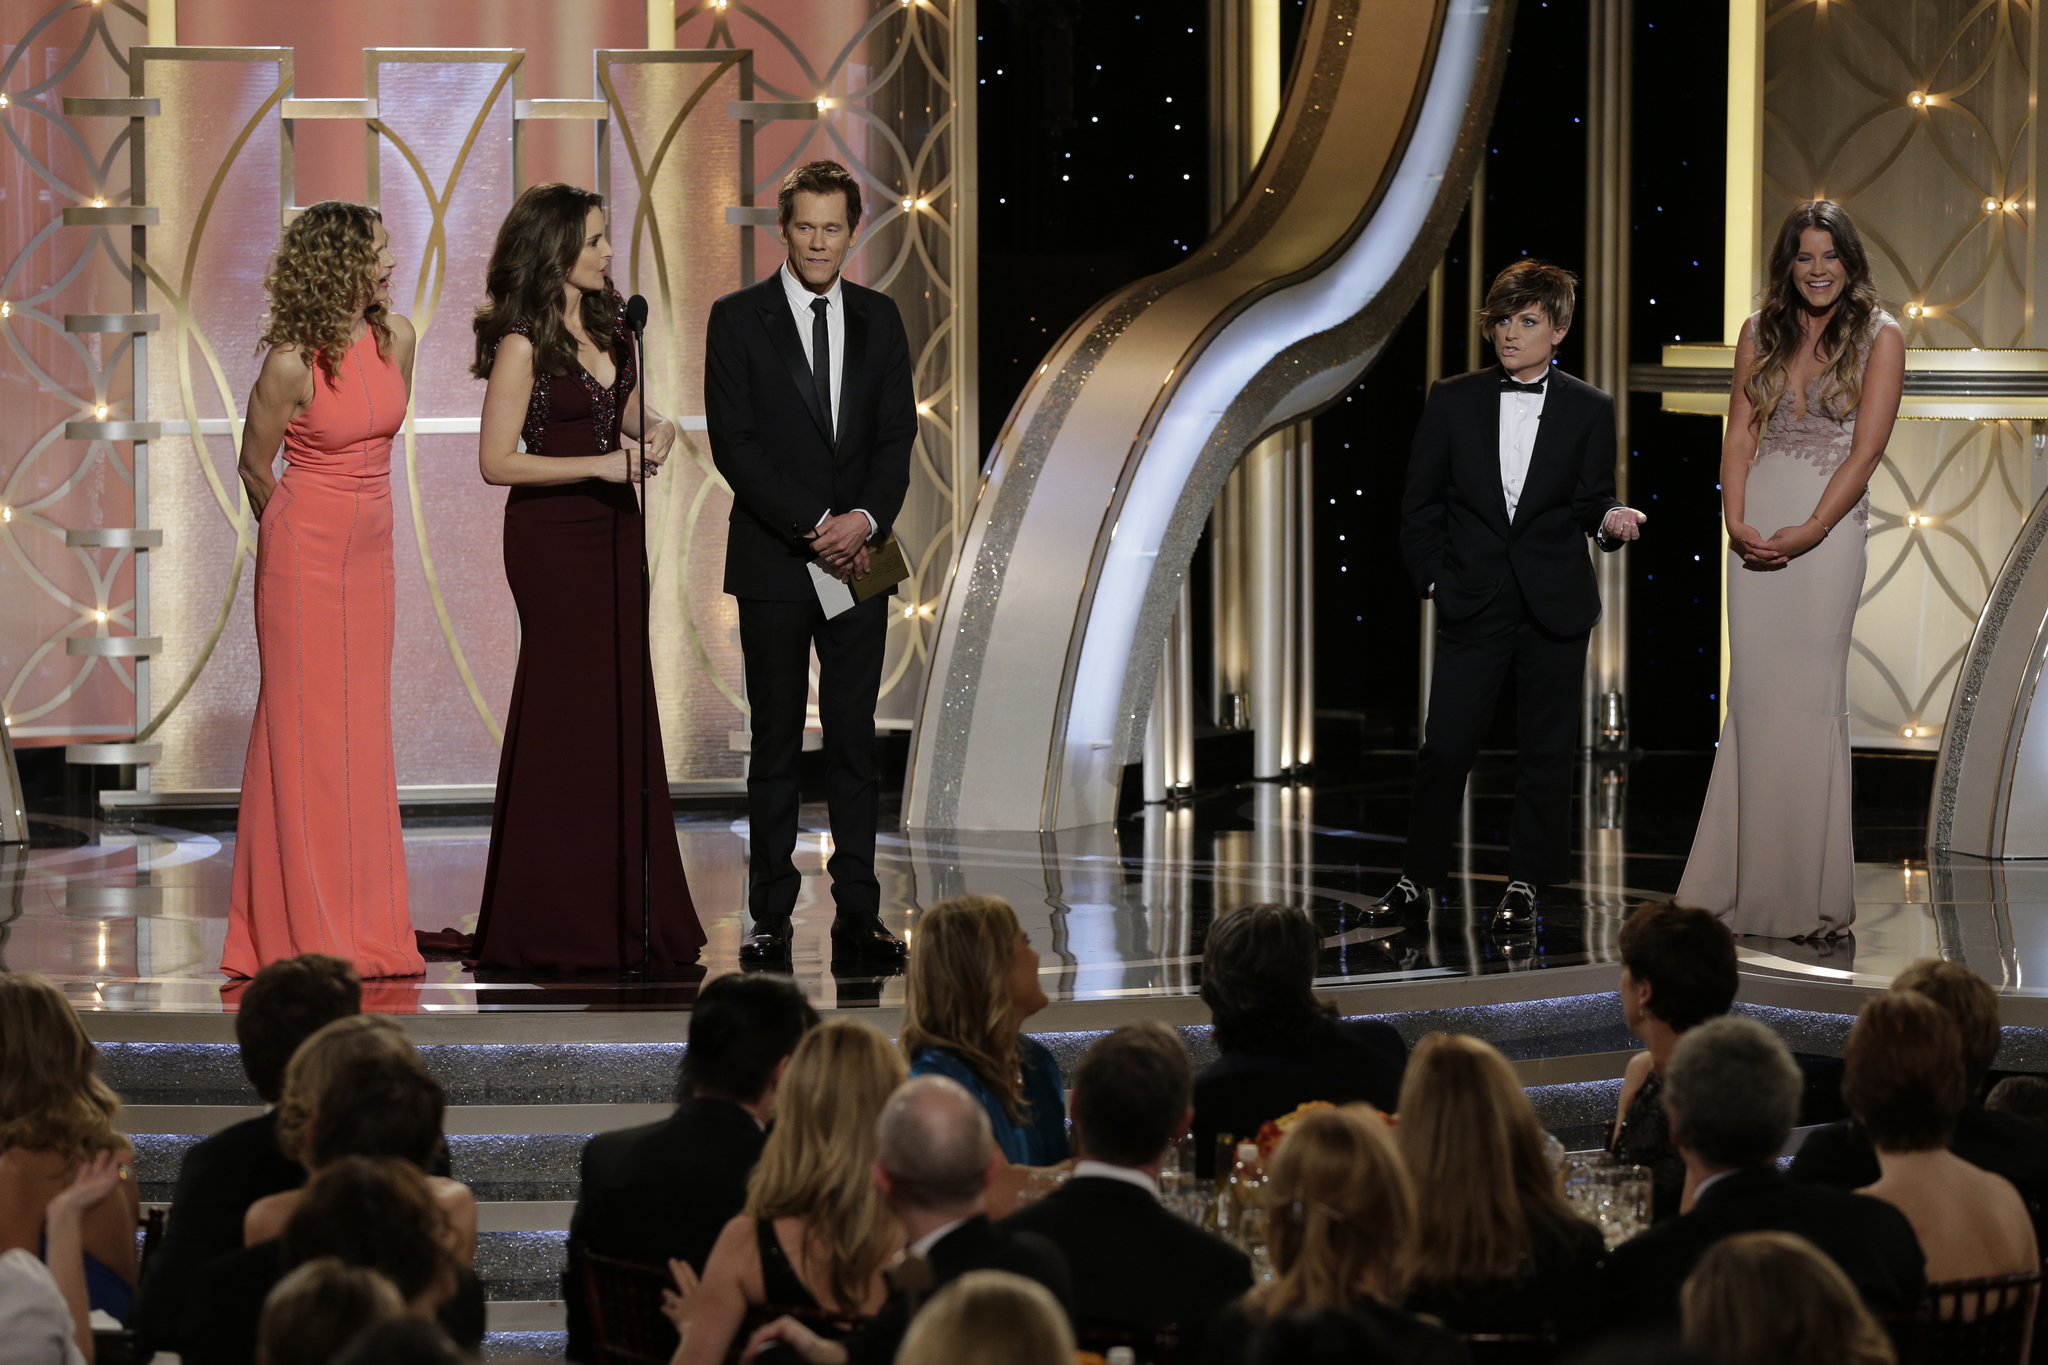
1340, 1213
1322, 1336
935, 1156
379, 1214
408, 1341
221, 1177
1281, 1047
1678, 970
990, 1317
2021, 1097
1840, 1154
1731, 1093
373, 1105
664, 1191
319, 1308
973, 981
45, 1318
1496, 1249
1904, 1083
1136, 1266
56, 1115
1771, 1298
815, 1233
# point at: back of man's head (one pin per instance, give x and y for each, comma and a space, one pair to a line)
1131, 1092
933, 1140
287, 1003
741, 1027
1969, 1000
1732, 1089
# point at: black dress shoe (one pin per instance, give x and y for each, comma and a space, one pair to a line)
1517, 909
768, 945
1402, 897
863, 935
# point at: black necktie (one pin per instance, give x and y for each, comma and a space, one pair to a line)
821, 361
1508, 384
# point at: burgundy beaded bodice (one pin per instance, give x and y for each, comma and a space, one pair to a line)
573, 414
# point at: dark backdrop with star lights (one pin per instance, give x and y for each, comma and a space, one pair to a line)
1093, 136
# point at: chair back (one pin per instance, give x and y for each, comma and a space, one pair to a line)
152, 1225
1160, 1346
1986, 1321
626, 1322
1510, 1348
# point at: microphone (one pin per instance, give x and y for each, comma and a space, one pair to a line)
636, 313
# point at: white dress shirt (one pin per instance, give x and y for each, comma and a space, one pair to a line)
35, 1321
800, 299
923, 1245
1520, 416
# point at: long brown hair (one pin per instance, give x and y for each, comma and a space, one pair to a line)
819, 1158
323, 276
1338, 1206
538, 244
956, 994
1771, 1298
50, 1098
1474, 1151
318, 1061
1781, 321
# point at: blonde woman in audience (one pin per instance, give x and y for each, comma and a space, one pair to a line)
1340, 1213
1903, 1079
815, 1233
972, 982
410, 1115
1771, 1298
990, 1317
317, 1309
57, 1116
1496, 1249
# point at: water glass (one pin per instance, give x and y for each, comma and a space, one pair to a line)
1039, 1183
1626, 1210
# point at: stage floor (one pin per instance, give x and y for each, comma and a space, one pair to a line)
131, 918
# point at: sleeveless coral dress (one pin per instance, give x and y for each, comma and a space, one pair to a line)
319, 857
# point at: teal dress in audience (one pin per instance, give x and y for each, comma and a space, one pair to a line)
1041, 1139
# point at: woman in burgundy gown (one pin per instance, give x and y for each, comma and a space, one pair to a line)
562, 888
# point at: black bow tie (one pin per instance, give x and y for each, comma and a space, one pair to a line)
1509, 384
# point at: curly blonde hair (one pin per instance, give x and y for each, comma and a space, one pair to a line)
50, 1098
322, 278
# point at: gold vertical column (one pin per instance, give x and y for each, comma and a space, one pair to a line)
1742, 233
661, 24
1603, 313
1269, 554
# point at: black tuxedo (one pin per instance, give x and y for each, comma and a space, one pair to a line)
1357, 1059
664, 1190
1135, 1265
1513, 596
1869, 1239
217, 1182
976, 1244
1841, 1156
774, 442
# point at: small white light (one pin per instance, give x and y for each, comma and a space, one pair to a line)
909, 612
100, 615
823, 104
6, 514
1991, 206
6, 309
100, 412
99, 203
2012, 206
1909, 732
1917, 100
906, 206
3, 99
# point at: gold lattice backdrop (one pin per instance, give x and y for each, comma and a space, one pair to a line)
1916, 115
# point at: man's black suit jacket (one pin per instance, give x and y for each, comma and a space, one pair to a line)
664, 1190
1869, 1239
774, 444
1239, 1092
217, 1182
1455, 532
976, 1244
1134, 1264
1840, 1155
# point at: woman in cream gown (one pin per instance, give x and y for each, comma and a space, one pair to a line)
1818, 373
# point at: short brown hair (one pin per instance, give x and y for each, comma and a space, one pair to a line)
1259, 978
319, 1308
1530, 283
379, 1214
1969, 1000
1131, 1091
1685, 956
1903, 1072
288, 1002
818, 177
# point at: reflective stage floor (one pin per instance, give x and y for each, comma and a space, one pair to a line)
130, 918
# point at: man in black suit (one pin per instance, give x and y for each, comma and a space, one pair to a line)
934, 1159
1136, 1266
1731, 1094
666, 1190
1512, 468
283, 1005
1841, 1155
809, 407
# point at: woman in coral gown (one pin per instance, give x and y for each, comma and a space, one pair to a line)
319, 857
562, 889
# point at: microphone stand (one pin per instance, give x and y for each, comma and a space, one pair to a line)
646, 668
